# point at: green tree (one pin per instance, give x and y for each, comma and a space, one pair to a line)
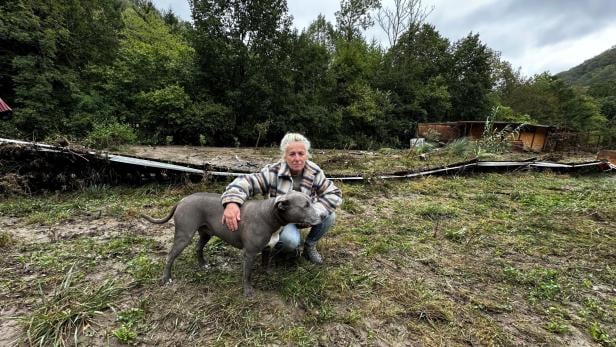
354, 16
311, 104
243, 54
147, 80
46, 45
470, 79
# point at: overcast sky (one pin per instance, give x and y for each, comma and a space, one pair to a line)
535, 35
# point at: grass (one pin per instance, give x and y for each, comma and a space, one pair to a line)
489, 259
62, 317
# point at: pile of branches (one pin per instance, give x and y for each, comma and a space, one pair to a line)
25, 169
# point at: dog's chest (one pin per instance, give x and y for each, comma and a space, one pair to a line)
274, 239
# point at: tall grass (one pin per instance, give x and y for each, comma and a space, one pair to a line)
62, 316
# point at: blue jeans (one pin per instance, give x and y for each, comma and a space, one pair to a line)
290, 237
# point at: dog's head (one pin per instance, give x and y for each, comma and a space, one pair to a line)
298, 208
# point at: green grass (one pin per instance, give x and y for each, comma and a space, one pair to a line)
61, 317
129, 323
433, 261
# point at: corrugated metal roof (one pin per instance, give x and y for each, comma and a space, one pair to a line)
111, 157
454, 168
4, 107
151, 163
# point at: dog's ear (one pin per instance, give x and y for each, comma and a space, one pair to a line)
282, 203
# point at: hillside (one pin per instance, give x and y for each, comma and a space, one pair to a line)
601, 68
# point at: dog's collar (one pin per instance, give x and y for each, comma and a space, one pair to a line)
277, 215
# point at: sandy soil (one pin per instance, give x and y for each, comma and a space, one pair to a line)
222, 158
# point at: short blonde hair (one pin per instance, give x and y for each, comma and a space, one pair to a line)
294, 137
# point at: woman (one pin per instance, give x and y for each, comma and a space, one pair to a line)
293, 172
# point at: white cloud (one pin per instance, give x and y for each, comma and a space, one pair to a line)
566, 54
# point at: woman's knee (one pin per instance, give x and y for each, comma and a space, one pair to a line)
329, 221
290, 237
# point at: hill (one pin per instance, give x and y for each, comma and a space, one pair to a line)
601, 68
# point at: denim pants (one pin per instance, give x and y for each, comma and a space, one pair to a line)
290, 237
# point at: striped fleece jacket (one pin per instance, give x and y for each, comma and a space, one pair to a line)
275, 179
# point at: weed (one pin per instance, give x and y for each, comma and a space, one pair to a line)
424, 148
352, 206
462, 148
545, 283
300, 336
144, 269
494, 141
67, 312
306, 285
456, 235
111, 136
557, 326
598, 334
6, 240
129, 319
125, 334
436, 211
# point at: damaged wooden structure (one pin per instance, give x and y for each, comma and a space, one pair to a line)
31, 167
27, 167
528, 137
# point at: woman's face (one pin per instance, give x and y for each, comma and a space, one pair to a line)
295, 155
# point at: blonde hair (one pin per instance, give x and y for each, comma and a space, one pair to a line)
294, 137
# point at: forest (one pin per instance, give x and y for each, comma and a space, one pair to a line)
240, 74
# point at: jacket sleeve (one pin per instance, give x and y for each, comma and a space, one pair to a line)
246, 186
329, 197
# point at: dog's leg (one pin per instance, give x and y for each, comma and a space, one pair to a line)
204, 237
180, 241
266, 260
249, 258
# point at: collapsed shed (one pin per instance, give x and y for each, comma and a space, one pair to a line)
529, 137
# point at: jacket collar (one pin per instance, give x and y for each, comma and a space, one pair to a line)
308, 172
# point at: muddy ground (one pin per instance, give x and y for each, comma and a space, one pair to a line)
488, 259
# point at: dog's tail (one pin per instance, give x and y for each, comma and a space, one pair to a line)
162, 220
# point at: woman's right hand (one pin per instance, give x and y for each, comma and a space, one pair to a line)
231, 216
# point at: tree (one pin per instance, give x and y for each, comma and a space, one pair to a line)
406, 15
414, 73
321, 32
47, 46
146, 81
354, 16
243, 54
470, 79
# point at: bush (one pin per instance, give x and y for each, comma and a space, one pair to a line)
110, 136
461, 147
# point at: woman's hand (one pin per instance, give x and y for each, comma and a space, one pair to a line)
231, 216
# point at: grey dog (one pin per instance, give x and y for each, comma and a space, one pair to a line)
261, 219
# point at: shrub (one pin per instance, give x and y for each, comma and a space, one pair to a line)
110, 136
495, 141
461, 147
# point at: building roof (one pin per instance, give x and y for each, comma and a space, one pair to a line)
4, 107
